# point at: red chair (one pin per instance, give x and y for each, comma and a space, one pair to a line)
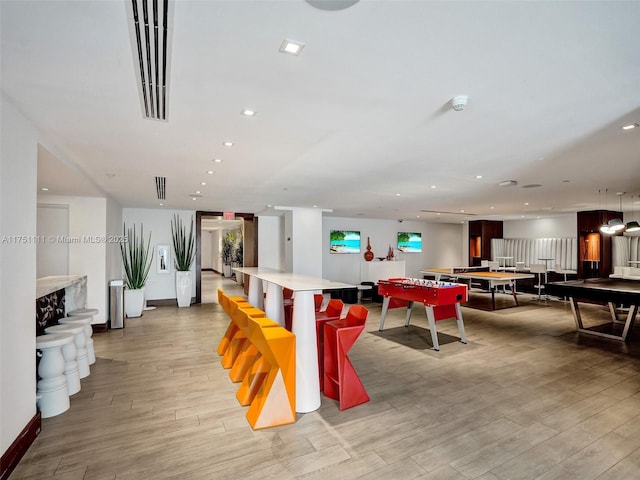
341, 382
332, 312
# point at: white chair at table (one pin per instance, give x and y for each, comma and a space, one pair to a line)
562, 271
539, 269
494, 267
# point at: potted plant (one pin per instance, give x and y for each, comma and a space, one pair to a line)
239, 258
183, 254
228, 245
136, 259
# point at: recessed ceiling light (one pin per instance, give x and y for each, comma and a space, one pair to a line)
631, 126
478, 177
203, 183
397, 194
198, 192
161, 204
227, 144
291, 47
44, 189
461, 211
217, 160
526, 203
210, 172
508, 183
491, 208
433, 186
193, 198
248, 112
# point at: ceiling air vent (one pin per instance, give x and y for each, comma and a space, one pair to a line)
161, 187
150, 30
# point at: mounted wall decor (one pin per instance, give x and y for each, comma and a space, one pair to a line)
344, 241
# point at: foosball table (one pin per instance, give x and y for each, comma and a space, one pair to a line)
441, 301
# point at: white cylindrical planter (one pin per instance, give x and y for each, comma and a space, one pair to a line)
53, 395
133, 302
81, 343
183, 288
70, 354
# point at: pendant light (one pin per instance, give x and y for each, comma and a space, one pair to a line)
614, 225
604, 228
633, 225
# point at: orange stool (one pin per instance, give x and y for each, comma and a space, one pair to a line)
229, 304
332, 312
274, 401
341, 382
248, 353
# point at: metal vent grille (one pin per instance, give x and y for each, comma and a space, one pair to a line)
150, 29
161, 187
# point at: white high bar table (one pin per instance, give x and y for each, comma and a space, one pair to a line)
303, 325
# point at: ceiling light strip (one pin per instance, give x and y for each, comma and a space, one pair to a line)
150, 28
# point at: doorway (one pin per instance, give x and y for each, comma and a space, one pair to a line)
211, 227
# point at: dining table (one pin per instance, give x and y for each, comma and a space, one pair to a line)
266, 287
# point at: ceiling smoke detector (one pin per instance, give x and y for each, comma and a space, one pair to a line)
459, 102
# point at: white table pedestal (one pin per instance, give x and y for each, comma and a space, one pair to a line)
307, 376
274, 303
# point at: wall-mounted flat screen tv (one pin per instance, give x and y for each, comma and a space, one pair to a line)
344, 241
409, 242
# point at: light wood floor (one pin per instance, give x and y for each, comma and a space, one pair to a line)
527, 398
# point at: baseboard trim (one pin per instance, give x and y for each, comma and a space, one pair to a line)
19, 447
99, 327
166, 302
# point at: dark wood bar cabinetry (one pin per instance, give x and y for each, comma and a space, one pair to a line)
480, 234
594, 247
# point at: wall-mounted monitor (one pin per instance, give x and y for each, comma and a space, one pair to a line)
344, 241
410, 242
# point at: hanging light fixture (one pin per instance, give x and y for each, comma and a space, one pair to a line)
614, 225
604, 228
633, 225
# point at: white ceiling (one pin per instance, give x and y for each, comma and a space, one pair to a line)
362, 115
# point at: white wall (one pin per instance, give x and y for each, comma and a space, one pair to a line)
52, 257
160, 286
18, 183
442, 246
113, 265
271, 241
206, 259
306, 240
88, 241
556, 227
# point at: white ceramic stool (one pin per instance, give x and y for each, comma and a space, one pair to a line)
82, 354
82, 312
91, 353
53, 396
70, 354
